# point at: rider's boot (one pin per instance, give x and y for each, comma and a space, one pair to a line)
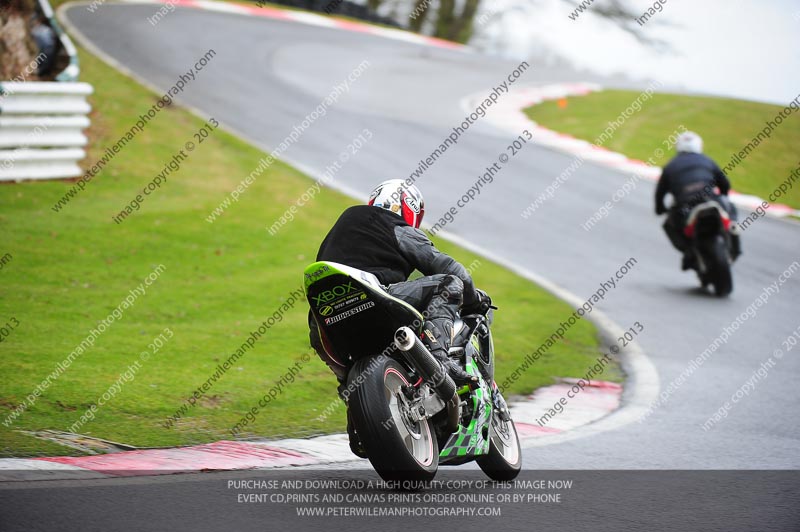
736, 241
688, 261
356, 447
736, 246
439, 335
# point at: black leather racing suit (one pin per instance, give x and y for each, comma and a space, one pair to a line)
691, 178
381, 242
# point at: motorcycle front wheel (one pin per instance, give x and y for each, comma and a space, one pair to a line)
398, 447
504, 460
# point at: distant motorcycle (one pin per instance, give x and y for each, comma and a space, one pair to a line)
708, 228
406, 410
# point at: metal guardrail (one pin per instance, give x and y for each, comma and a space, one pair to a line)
73, 70
41, 129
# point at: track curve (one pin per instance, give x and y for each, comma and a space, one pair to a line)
409, 98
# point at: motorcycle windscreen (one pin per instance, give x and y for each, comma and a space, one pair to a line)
356, 319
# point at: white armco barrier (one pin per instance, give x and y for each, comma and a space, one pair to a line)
41, 129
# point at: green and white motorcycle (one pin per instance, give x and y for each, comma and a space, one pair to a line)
406, 410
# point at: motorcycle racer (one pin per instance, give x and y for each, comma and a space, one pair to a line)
383, 238
692, 177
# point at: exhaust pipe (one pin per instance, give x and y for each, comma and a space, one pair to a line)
431, 371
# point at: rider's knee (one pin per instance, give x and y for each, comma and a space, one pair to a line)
451, 289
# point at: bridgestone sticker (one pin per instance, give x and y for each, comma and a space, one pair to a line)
348, 313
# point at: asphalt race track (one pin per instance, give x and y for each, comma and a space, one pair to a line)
268, 75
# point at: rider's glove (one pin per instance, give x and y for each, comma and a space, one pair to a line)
481, 305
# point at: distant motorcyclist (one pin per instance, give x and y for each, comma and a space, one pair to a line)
692, 178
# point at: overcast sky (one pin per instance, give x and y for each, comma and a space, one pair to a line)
743, 48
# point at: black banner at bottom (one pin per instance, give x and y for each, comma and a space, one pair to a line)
456, 500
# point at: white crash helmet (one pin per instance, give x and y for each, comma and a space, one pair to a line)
689, 142
406, 201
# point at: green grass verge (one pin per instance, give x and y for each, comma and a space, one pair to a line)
726, 125
70, 269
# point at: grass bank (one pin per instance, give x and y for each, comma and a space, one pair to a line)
73, 268
726, 125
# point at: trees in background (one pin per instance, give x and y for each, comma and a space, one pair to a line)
17, 48
454, 20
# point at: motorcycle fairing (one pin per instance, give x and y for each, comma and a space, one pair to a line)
473, 439
355, 315
711, 211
